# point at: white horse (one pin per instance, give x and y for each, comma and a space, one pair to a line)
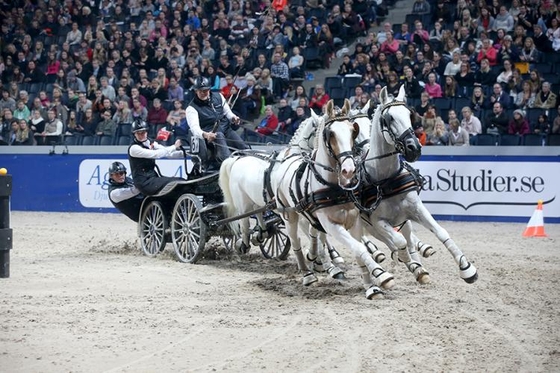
391, 198
362, 117
244, 193
318, 189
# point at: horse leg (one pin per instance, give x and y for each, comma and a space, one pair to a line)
380, 277
426, 250
312, 253
467, 270
243, 245
261, 232
291, 221
333, 271
376, 253
333, 253
400, 250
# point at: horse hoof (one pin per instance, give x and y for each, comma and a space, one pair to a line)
469, 273
424, 279
339, 276
241, 247
472, 279
309, 279
389, 284
374, 293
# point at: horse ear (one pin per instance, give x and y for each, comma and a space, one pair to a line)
346, 107
365, 109
402, 93
383, 96
356, 131
330, 108
314, 116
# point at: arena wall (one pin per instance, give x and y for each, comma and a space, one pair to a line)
463, 183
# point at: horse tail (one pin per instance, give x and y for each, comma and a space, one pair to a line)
224, 181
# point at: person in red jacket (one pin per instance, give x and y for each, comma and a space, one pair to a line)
319, 99
269, 124
157, 115
518, 125
489, 52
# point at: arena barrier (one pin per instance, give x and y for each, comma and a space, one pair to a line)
462, 183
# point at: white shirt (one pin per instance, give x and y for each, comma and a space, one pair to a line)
156, 151
122, 194
194, 123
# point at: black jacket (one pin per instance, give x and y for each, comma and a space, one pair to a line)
130, 206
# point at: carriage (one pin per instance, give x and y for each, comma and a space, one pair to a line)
188, 213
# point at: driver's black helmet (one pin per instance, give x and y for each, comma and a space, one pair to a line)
117, 167
139, 125
201, 83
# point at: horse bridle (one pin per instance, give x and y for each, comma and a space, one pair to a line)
340, 157
385, 121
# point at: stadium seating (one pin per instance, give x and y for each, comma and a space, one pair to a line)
553, 140
510, 140
485, 139
533, 139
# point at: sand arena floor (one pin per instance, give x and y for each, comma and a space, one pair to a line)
83, 298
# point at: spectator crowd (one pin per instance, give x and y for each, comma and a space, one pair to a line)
475, 72
80, 71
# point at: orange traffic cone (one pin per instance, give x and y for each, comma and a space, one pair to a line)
535, 227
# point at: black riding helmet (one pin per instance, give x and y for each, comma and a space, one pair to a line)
117, 167
139, 125
201, 83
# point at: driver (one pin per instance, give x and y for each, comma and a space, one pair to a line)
142, 155
122, 193
208, 116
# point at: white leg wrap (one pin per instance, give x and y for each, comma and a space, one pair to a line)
421, 275
425, 249
334, 271
309, 278
467, 271
335, 256
374, 293
384, 279
378, 255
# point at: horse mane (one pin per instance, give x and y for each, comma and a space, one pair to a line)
318, 132
297, 138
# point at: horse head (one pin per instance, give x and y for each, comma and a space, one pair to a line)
395, 119
339, 133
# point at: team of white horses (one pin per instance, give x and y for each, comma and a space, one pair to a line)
342, 175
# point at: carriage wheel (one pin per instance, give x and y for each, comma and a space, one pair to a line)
277, 245
153, 226
188, 231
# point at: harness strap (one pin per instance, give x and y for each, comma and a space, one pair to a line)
368, 198
267, 187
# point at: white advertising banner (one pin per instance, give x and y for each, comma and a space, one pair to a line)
93, 179
475, 188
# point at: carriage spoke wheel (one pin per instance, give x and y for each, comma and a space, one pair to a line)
277, 245
188, 231
152, 233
